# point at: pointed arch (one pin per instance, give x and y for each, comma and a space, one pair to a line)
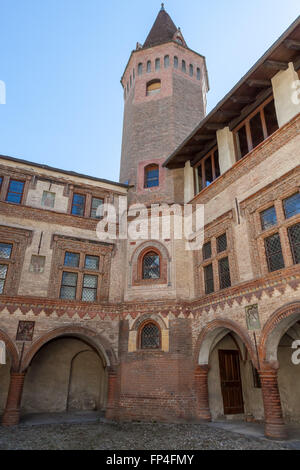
12, 349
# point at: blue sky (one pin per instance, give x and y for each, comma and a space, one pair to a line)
62, 61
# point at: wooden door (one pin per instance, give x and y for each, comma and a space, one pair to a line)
231, 384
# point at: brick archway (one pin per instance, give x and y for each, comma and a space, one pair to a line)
277, 325
96, 341
12, 349
209, 334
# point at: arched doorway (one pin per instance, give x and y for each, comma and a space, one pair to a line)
278, 337
66, 374
225, 351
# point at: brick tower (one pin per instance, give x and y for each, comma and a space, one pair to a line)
165, 85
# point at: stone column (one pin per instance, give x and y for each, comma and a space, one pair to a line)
274, 424
11, 416
201, 387
112, 393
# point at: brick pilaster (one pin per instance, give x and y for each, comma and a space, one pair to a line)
274, 424
11, 416
111, 407
201, 387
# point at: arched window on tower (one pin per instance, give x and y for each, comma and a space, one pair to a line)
150, 336
183, 66
153, 87
157, 64
151, 176
151, 265
198, 73
167, 61
140, 69
175, 62
149, 66
191, 70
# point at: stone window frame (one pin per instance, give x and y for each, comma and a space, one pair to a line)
89, 195
273, 195
136, 327
211, 232
20, 239
136, 265
60, 245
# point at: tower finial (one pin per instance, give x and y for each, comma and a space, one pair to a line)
162, 6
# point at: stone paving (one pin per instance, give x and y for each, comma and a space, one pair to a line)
130, 436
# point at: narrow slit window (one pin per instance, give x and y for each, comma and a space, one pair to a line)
157, 64
175, 62
140, 69
191, 70
166, 61
149, 66
183, 66
198, 74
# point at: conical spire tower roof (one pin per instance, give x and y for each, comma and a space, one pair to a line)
162, 31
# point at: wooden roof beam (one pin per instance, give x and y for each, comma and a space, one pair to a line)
204, 137
259, 83
292, 44
228, 114
215, 126
242, 99
276, 65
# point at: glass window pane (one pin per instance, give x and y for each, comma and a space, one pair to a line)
1, 286
97, 208
191, 70
78, 204
69, 279
15, 191
167, 61
90, 281
208, 171
176, 62
292, 205
89, 295
5, 250
71, 259
294, 236
3, 271
224, 273
151, 176
151, 266
242, 143
271, 118
68, 293
268, 218
150, 337
157, 64
92, 262
140, 69
206, 250
256, 130
209, 279
274, 253
222, 243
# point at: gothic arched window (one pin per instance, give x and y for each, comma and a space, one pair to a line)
191, 70
183, 66
151, 265
157, 64
140, 69
150, 336
151, 176
175, 62
167, 61
149, 66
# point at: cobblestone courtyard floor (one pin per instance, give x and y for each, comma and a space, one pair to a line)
129, 436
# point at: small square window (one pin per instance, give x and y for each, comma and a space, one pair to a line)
5, 250
206, 251
92, 262
292, 205
97, 208
15, 191
268, 218
222, 243
71, 259
89, 290
78, 204
48, 199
